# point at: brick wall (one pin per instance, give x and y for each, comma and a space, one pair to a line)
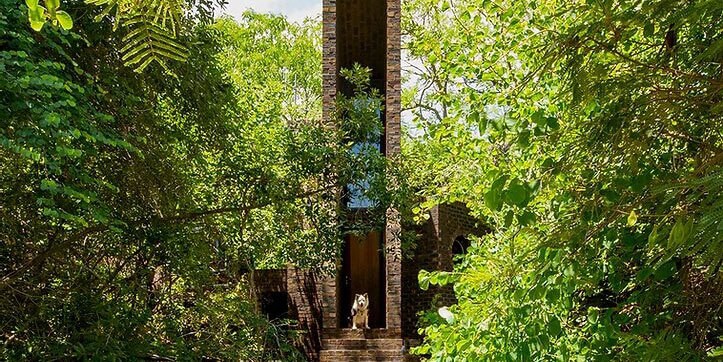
392, 132
433, 252
361, 37
303, 291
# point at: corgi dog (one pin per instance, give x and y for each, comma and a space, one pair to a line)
360, 311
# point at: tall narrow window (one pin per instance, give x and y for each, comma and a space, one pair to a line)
357, 197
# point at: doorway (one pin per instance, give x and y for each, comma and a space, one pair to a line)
363, 271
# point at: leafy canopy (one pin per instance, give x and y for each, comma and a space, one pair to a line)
587, 134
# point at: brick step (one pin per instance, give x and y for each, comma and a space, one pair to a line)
361, 356
390, 344
348, 333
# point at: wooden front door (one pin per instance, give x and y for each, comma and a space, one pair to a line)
364, 272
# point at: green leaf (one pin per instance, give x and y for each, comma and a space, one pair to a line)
37, 25
509, 217
539, 118
52, 5
423, 279
36, 15
592, 315
649, 29
552, 123
554, 327
526, 218
665, 271
493, 200
680, 233
632, 218
653, 237
49, 185
523, 138
517, 194
717, 352
66, 22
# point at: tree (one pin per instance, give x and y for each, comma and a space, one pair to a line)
133, 205
587, 135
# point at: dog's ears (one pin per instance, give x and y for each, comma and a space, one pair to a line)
366, 295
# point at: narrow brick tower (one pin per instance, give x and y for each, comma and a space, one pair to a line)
366, 32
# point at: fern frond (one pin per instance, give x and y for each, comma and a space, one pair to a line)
152, 29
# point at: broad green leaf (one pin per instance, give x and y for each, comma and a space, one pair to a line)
649, 29
523, 138
552, 123
37, 25
423, 279
680, 233
517, 194
66, 22
526, 218
493, 199
665, 271
653, 237
592, 315
553, 326
36, 15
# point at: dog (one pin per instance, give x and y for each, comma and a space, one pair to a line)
360, 311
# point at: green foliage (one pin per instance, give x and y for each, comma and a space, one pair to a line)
38, 15
587, 135
151, 29
133, 206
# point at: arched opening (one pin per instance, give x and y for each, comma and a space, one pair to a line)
459, 248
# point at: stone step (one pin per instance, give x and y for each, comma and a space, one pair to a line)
361, 356
390, 344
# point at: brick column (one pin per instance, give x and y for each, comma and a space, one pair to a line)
329, 59
394, 79
392, 128
328, 283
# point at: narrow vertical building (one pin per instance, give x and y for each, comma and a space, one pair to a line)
367, 32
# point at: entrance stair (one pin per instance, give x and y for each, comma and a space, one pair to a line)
347, 345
